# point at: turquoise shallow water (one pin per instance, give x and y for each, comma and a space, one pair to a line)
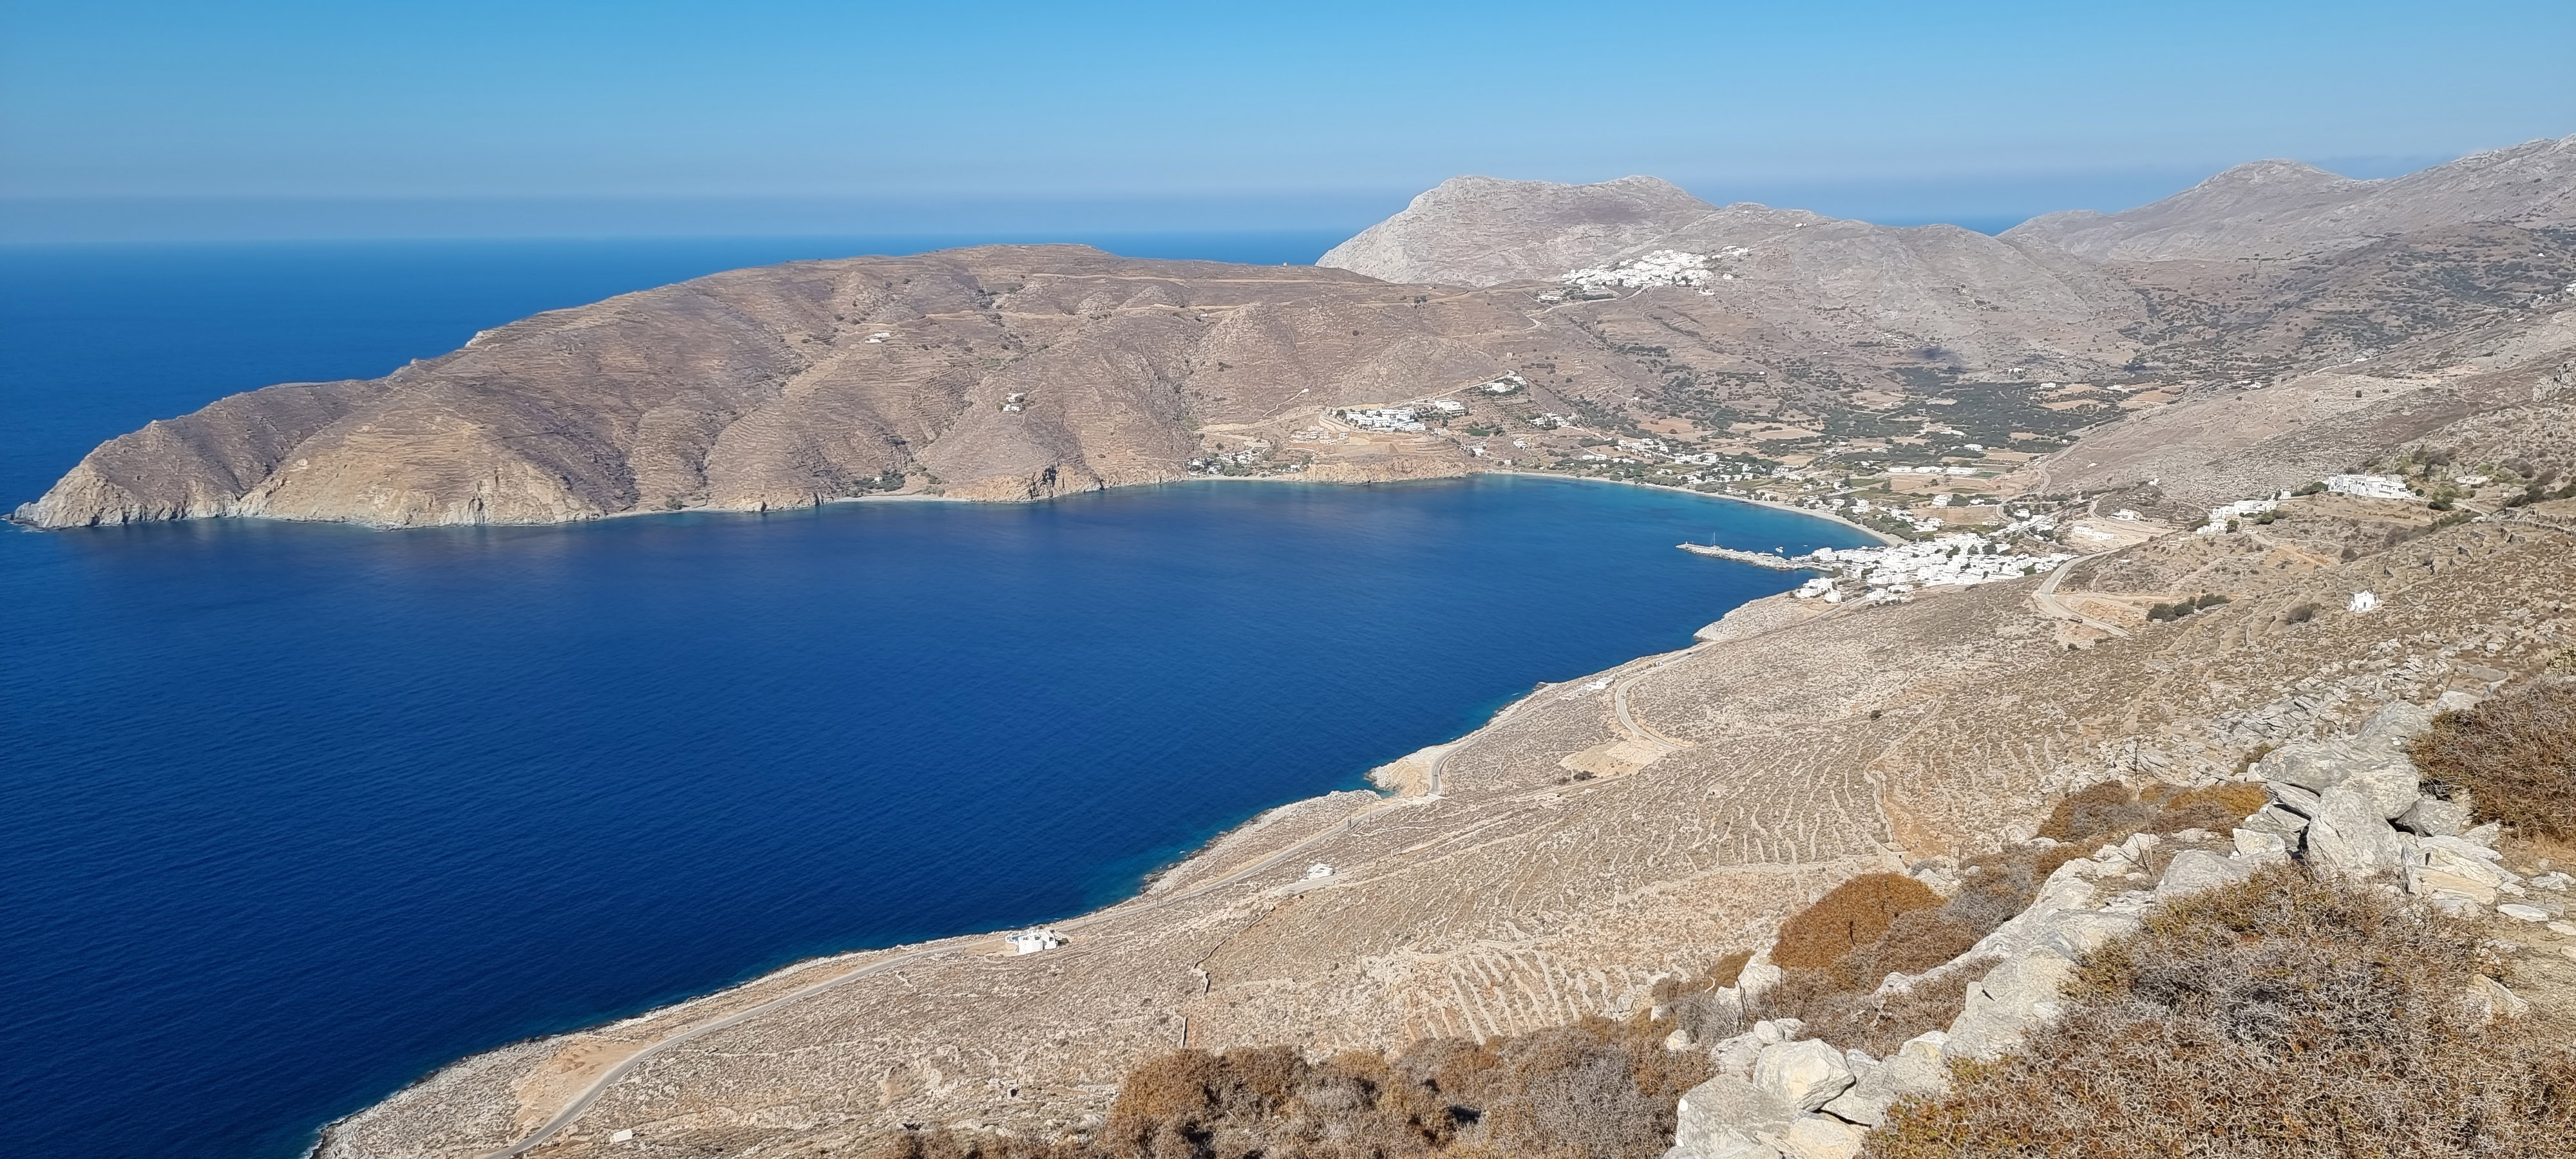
291, 814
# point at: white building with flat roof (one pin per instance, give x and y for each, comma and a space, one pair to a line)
2369, 486
1034, 941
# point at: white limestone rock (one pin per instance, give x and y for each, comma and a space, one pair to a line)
2394, 724
1771, 1030
2351, 838
2373, 764
2434, 817
1757, 976
2279, 821
2313, 766
1734, 1056
2071, 915
1915, 1069
2455, 700
2294, 799
2466, 845
1806, 1074
2390, 783
2423, 881
2439, 866
2003, 1006
2256, 847
2494, 1001
1819, 1137
1728, 1118
2456, 905
2195, 870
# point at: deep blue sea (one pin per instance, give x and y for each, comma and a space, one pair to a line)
291, 815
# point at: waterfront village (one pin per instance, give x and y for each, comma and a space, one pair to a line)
1937, 466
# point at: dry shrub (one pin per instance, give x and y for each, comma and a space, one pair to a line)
2095, 810
1995, 887
2216, 808
943, 1143
1191, 1104
2110, 811
2282, 1017
1856, 913
1881, 924
1694, 1004
1916, 941
1865, 1019
1594, 1090
1598, 1089
2514, 755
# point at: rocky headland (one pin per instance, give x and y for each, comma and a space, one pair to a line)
1624, 328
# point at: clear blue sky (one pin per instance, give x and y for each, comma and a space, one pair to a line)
1280, 114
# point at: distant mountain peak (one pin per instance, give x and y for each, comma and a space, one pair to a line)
1483, 231
2277, 171
2280, 208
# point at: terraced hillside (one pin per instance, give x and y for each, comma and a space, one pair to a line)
1597, 836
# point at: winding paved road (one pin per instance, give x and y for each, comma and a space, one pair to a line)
2045, 595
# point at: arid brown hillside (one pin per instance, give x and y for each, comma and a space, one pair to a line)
1764, 341
1598, 836
1028, 371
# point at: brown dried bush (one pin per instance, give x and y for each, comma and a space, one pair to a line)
1865, 1019
1594, 1090
2095, 810
2282, 1017
1694, 1004
942, 1143
1916, 941
1886, 924
1856, 913
2110, 811
2216, 808
2513, 756
1191, 1104
1598, 1089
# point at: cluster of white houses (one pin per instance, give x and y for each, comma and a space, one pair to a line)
1382, 418
2369, 486
2221, 515
1962, 559
1660, 268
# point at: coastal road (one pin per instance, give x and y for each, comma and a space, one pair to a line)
610, 1077
2045, 595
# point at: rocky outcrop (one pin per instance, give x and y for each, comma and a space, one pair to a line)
2353, 808
1778, 1096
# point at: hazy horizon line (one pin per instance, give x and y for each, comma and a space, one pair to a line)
1987, 203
